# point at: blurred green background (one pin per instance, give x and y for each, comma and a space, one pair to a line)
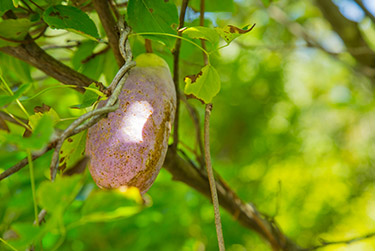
292, 132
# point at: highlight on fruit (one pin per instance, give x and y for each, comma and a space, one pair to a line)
128, 147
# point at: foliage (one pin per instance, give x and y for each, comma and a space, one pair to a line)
291, 129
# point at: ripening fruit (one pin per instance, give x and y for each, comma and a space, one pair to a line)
128, 147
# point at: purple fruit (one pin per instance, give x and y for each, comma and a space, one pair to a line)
128, 147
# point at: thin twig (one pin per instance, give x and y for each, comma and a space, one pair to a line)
41, 33
69, 131
209, 169
15, 120
32, 180
114, 9
176, 78
13, 40
213, 187
31, 1
23, 163
27, 6
196, 122
92, 56
50, 47
41, 216
325, 243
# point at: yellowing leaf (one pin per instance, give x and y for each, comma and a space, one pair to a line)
230, 32
34, 119
73, 150
205, 85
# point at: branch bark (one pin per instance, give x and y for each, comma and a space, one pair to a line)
109, 24
32, 54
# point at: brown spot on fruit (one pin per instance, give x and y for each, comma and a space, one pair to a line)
129, 148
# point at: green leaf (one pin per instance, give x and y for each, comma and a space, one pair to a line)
154, 16
59, 194
8, 159
72, 19
5, 5
39, 138
107, 205
200, 32
16, 2
90, 96
27, 233
230, 32
15, 70
73, 149
204, 85
14, 29
93, 68
83, 51
6, 99
213, 5
110, 67
34, 119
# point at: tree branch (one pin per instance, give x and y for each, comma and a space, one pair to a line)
181, 169
24, 162
208, 164
350, 34
366, 11
32, 54
186, 172
196, 122
212, 183
95, 54
14, 120
109, 24
244, 213
298, 30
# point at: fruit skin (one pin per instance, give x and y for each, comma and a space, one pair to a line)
128, 147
